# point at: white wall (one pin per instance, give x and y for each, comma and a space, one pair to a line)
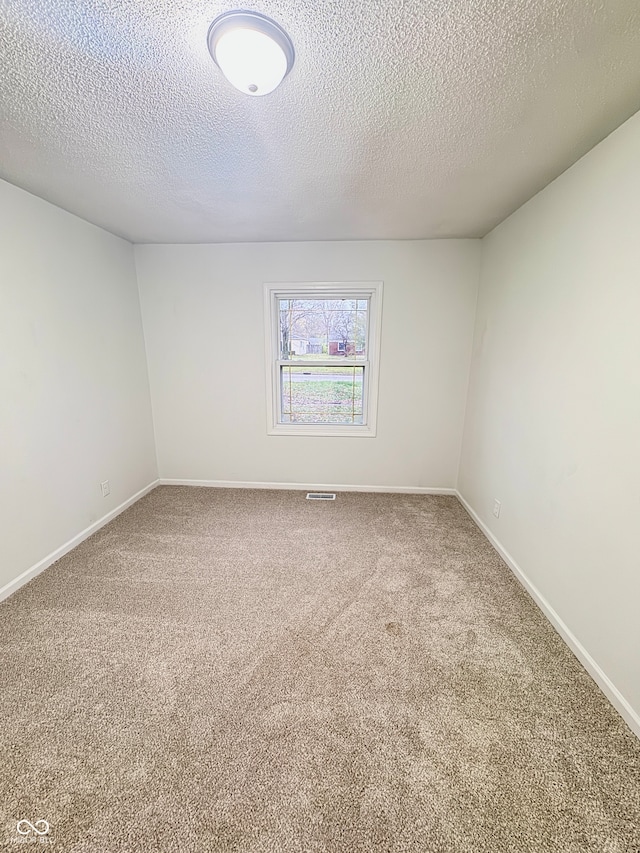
202, 310
553, 419
74, 402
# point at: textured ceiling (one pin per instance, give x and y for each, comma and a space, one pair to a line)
400, 119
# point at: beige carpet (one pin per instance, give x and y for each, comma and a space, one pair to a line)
249, 671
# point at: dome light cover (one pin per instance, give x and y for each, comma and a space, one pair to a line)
253, 52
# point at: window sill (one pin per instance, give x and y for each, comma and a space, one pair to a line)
320, 431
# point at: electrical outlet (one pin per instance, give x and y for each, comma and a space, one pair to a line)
105, 488
496, 508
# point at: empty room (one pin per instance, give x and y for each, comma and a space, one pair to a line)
320, 426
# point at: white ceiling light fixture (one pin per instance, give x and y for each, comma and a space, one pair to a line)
253, 52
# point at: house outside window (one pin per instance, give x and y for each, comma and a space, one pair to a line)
323, 343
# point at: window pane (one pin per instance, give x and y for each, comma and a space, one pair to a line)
322, 395
323, 329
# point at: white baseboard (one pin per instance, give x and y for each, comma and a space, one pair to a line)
609, 689
25, 577
323, 487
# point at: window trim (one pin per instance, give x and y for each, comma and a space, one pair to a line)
273, 291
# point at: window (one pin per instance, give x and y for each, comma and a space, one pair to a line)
322, 357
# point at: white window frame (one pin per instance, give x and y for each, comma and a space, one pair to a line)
371, 290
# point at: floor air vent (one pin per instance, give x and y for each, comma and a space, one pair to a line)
321, 496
